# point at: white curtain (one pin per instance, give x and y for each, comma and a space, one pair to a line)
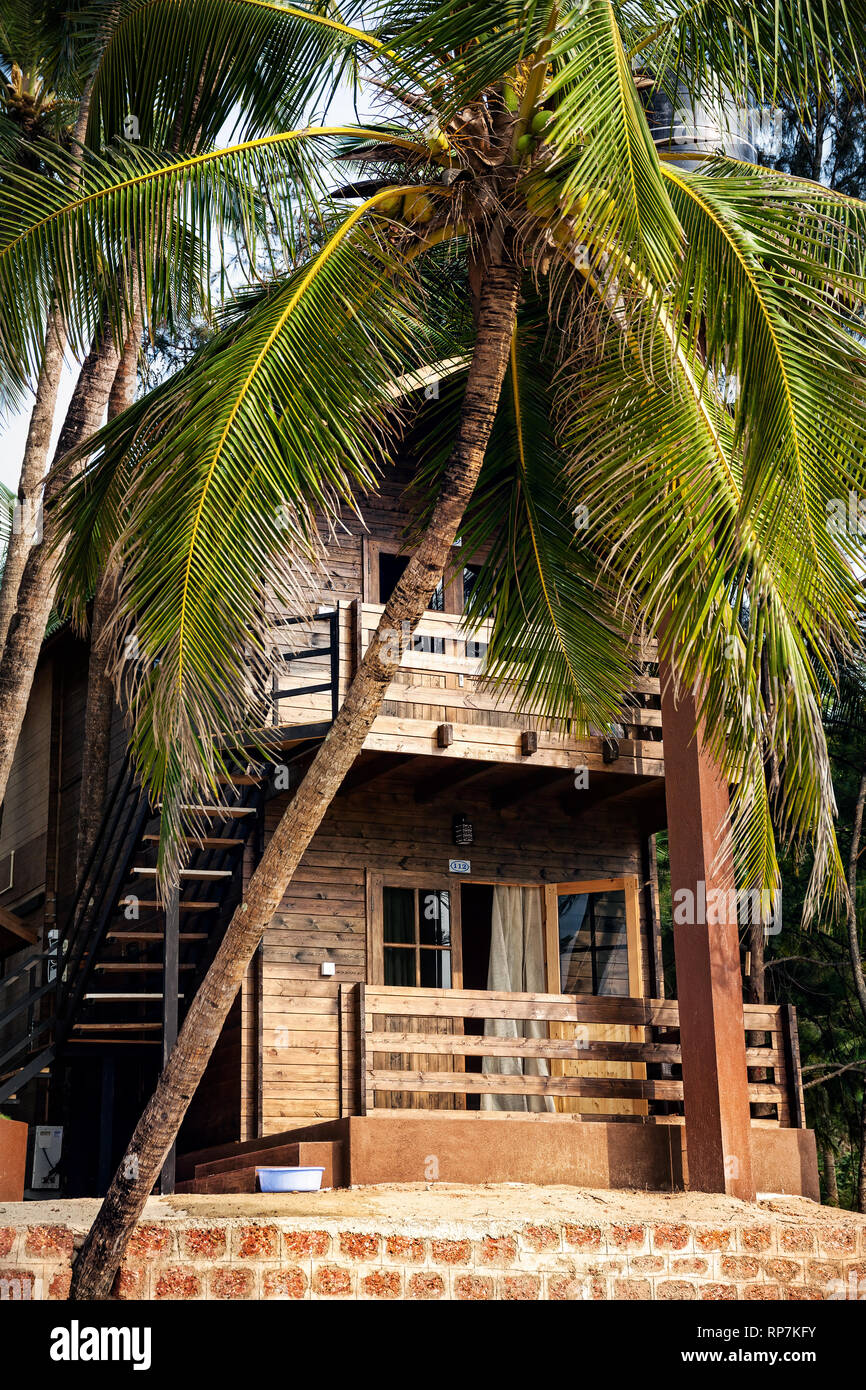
517, 965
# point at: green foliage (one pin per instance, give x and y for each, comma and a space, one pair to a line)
687, 368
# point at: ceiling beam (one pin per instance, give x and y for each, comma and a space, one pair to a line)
371, 767
450, 777
14, 925
527, 784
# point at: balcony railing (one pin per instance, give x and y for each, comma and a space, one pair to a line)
598, 1057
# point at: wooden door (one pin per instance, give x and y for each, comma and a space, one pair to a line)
593, 947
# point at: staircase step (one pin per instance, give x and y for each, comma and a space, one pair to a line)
218, 812
109, 996
126, 965
203, 841
115, 1041
154, 936
117, 1027
221, 1176
184, 906
144, 871
237, 779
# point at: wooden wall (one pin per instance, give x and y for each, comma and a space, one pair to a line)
309, 1061
23, 832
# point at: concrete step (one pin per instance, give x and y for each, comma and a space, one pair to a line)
238, 1174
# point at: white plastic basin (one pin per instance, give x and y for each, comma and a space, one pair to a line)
289, 1179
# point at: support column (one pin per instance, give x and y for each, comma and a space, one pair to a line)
170, 979
709, 984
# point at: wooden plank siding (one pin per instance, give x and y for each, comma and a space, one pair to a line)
310, 1057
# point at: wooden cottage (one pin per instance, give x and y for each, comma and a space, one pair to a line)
463, 981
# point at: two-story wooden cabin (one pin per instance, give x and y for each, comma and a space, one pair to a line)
463, 981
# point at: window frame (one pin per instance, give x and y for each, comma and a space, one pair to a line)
438, 883
372, 549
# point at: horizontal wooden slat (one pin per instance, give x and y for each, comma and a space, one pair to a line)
471, 1045
616, 1088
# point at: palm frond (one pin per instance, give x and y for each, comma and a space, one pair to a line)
555, 643
116, 227
655, 457
601, 149
203, 69
747, 51
243, 456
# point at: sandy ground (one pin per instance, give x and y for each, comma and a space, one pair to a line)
396, 1204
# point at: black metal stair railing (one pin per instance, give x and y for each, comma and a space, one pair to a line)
332, 650
63, 971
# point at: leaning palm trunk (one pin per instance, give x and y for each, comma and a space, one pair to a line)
99, 701
38, 586
104, 1247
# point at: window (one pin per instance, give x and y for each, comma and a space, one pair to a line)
417, 937
391, 569
598, 935
470, 576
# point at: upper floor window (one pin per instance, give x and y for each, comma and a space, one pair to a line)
391, 569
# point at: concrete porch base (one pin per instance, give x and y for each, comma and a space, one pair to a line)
441, 1146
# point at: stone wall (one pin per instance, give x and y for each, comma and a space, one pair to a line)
768, 1255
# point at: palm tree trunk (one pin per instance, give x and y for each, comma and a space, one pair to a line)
35, 460
853, 931
38, 582
831, 1186
100, 691
106, 1242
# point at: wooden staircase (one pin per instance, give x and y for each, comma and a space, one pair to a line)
128, 963
104, 984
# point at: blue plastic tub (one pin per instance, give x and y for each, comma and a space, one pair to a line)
289, 1179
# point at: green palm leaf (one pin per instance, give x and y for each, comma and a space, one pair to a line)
280, 422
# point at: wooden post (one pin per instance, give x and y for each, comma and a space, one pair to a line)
106, 1125
170, 978
709, 985
365, 1096
794, 1075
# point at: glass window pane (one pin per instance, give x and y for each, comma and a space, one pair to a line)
593, 943
434, 914
400, 966
435, 969
611, 943
398, 923
470, 575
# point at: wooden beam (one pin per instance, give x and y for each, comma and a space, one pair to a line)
450, 776
524, 785
14, 925
604, 787
373, 766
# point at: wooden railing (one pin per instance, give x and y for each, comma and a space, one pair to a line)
599, 1057
442, 680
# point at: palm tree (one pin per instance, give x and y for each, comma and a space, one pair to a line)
70, 75
665, 353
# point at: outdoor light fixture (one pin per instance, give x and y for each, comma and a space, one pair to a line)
462, 831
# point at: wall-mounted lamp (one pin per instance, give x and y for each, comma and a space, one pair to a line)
462, 831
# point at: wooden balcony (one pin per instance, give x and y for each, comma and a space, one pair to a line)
593, 1057
440, 703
